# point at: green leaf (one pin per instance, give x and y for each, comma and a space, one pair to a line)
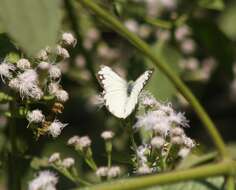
194, 160
215, 183
33, 24
38, 163
212, 4
227, 21
159, 85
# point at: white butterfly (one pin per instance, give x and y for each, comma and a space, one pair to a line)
121, 97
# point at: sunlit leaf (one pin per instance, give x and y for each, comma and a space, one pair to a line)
212, 4
33, 24
227, 21
159, 85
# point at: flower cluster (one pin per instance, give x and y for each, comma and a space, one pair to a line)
109, 172
55, 159
44, 180
167, 141
35, 80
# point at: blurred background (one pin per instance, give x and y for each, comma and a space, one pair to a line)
196, 38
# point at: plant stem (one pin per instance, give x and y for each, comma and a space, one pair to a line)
202, 172
230, 184
143, 47
13, 169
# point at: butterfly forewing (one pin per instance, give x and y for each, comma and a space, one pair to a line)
137, 88
115, 91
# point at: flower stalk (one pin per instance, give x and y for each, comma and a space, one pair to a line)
143, 47
13, 175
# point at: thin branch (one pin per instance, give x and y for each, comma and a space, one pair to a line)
202, 172
143, 47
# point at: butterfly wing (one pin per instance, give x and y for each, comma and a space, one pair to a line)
115, 91
137, 88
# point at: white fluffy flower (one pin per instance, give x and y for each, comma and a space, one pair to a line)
35, 116
132, 25
182, 32
43, 65
45, 180
68, 162
183, 152
28, 84
56, 127
62, 52
53, 88
62, 95
107, 135
188, 142
54, 157
157, 142
36, 93
114, 171
14, 84
179, 119
147, 99
142, 152
73, 140
154, 120
176, 131
68, 39
188, 46
42, 55
84, 142
102, 171
23, 64
54, 72
144, 169
6, 70
178, 140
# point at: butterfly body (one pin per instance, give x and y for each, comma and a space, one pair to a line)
120, 96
